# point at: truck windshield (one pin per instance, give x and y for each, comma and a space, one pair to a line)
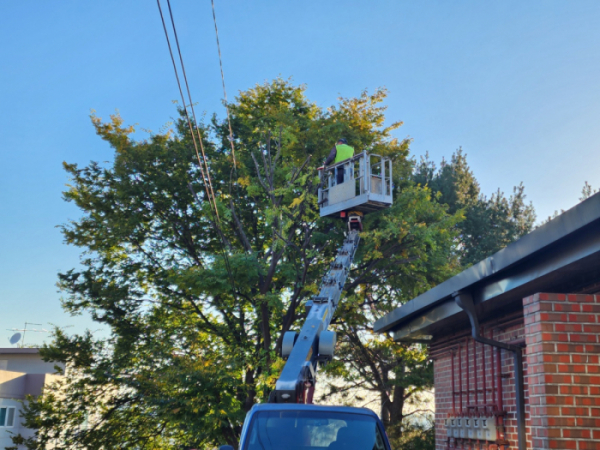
313, 430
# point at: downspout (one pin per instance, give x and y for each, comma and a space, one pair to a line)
460, 377
453, 387
468, 376
465, 301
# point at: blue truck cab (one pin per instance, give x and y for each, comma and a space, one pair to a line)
292, 426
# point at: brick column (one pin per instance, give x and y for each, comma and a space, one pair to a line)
443, 397
562, 334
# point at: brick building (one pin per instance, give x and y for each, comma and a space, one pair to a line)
515, 341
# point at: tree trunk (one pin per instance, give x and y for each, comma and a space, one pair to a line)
396, 410
392, 411
251, 392
385, 412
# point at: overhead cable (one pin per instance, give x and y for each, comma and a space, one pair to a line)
203, 167
192, 108
223, 80
205, 176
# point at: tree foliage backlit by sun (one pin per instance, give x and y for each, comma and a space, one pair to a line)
197, 301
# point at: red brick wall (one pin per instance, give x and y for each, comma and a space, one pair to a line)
562, 372
443, 391
562, 334
507, 329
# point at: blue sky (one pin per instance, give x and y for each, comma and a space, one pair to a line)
514, 83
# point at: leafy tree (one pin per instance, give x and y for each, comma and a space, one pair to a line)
490, 223
397, 271
420, 436
197, 298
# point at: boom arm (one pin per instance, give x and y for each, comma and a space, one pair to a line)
314, 343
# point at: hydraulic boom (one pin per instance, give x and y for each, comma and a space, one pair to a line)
315, 343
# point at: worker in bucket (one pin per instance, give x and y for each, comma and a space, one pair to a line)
340, 152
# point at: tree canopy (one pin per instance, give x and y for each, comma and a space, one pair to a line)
490, 223
197, 297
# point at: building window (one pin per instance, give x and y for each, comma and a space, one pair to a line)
7, 417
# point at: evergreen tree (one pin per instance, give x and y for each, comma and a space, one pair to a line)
490, 223
587, 191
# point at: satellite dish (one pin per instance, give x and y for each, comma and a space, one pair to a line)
15, 338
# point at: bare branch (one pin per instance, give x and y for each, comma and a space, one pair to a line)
297, 172
269, 155
426, 410
278, 154
260, 179
240, 228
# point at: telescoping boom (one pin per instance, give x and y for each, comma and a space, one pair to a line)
314, 343
291, 421
350, 189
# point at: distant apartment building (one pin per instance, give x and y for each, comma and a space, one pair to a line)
22, 372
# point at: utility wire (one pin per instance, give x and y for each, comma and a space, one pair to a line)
193, 111
205, 177
187, 116
223, 80
234, 168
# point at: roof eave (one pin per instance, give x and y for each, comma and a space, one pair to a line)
427, 307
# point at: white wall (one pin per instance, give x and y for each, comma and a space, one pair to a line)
29, 363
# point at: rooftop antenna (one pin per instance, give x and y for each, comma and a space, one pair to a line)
25, 330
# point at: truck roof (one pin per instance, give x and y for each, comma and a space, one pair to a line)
310, 407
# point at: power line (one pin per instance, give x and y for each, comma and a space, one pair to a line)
223, 80
192, 108
205, 177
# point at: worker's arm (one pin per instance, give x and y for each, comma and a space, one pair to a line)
331, 156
